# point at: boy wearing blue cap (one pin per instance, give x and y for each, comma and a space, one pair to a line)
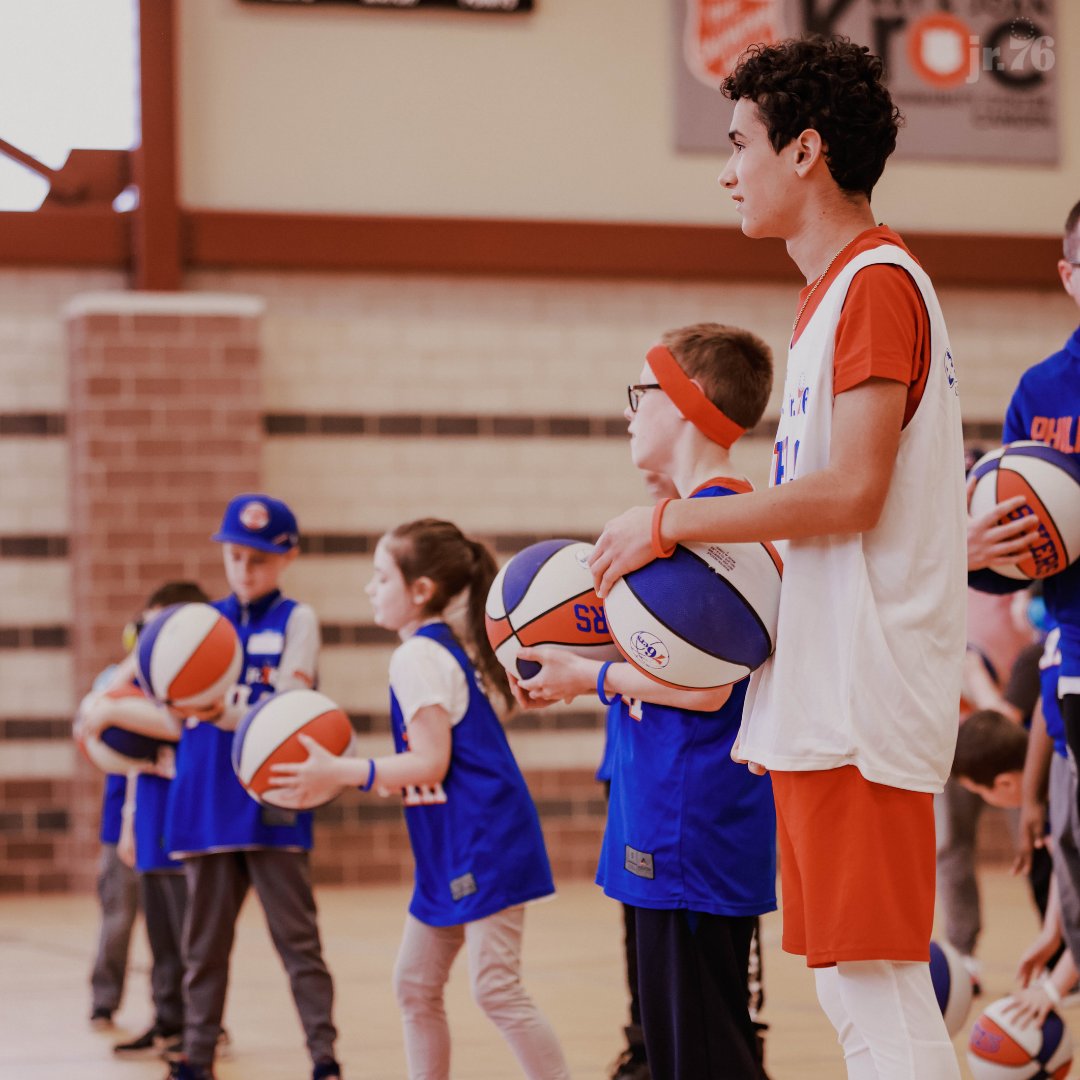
225, 838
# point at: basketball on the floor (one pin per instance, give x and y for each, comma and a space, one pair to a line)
117, 749
188, 656
544, 596
1049, 481
268, 736
952, 985
999, 1049
703, 618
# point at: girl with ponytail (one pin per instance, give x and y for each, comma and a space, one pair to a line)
475, 834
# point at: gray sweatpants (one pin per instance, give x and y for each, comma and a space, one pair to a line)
217, 884
164, 898
118, 892
1065, 832
956, 818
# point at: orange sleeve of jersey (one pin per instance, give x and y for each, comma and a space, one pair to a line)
883, 332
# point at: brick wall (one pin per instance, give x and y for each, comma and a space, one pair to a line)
164, 427
364, 400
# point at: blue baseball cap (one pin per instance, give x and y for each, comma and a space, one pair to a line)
259, 521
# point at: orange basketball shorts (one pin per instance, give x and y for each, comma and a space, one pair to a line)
857, 865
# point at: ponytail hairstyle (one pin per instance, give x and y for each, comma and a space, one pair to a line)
440, 551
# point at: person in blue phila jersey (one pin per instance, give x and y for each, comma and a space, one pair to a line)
228, 841
690, 838
474, 830
1045, 407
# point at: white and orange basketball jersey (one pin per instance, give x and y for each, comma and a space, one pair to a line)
871, 630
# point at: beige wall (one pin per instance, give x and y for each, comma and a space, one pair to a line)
424, 344
564, 113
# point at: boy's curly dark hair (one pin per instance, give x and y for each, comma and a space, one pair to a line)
829, 84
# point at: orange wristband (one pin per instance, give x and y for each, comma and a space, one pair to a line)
657, 543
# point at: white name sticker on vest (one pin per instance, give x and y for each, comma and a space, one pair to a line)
463, 886
423, 795
639, 863
266, 643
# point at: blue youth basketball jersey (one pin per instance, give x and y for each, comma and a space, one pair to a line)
1049, 669
687, 827
112, 803
476, 838
208, 809
1046, 408
151, 803
611, 729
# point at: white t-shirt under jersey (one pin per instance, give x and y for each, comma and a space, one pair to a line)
423, 673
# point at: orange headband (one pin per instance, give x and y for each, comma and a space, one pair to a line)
689, 399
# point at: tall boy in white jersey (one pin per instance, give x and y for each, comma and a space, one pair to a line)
855, 715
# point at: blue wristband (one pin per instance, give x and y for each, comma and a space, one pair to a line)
371, 775
600, 683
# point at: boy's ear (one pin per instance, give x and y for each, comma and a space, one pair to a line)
1008, 783
290, 555
808, 150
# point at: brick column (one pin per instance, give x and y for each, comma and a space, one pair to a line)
164, 427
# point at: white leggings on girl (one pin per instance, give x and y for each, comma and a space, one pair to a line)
887, 1020
493, 946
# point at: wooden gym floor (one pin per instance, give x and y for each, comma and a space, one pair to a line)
572, 958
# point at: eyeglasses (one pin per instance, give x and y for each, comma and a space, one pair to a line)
636, 392
131, 633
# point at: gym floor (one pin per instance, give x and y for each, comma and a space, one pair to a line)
572, 950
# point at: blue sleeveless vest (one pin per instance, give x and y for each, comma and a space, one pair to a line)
476, 836
208, 809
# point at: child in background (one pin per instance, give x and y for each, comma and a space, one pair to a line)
162, 889
690, 837
632, 1063
228, 841
1045, 407
1048, 753
989, 759
475, 833
118, 895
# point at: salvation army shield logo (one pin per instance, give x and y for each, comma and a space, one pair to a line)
718, 32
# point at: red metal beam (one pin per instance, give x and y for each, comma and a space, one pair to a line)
83, 237
571, 249
156, 228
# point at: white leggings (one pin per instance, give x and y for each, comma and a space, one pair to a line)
493, 946
887, 1020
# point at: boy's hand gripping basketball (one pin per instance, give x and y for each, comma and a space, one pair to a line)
624, 545
310, 782
992, 544
562, 677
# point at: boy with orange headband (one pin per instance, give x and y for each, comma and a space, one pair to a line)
690, 838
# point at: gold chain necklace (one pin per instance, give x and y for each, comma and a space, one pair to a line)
813, 288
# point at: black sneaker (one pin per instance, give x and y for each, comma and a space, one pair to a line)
172, 1049
101, 1019
149, 1042
326, 1070
181, 1070
631, 1065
